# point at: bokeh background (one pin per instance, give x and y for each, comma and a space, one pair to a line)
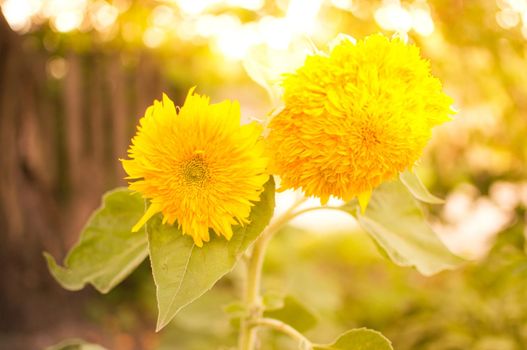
76, 75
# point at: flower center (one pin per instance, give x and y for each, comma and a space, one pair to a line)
369, 136
195, 171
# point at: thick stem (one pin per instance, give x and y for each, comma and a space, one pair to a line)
252, 298
247, 340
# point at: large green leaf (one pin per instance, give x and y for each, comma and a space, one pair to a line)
418, 189
107, 250
358, 339
183, 271
397, 224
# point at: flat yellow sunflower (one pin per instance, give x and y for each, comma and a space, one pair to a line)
197, 165
355, 118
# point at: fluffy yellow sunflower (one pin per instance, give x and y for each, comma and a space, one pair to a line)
355, 118
197, 165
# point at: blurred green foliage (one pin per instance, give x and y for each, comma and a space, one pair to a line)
346, 283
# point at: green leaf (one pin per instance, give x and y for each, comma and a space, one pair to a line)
75, 344
358, 339
107, 251
273, 300
236, 309
294, 314
397, 224
418, 189
183, 271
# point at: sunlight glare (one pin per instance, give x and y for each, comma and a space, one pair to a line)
422, 22
392, 16
274, 32
343, 4
302, 15
103, 16
67, 21
234, 41
65, 15
195, 7
253, 5
206, 25
323, 221
153, 37
511, 14
162, 16
18, 13
517, 5
508, 18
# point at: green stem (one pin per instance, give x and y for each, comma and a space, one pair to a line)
252, 299
306, 210
247, 340
280, 326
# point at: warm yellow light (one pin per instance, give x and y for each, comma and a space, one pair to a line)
515, 5
67, 21
162, 16
302, 15
206, 24
524, 31
511, 14
234, 41
195, 7
252, 5
57, 67
65, 15
343, 4
508, 18
154, 37
51, 8
131, 31
275, 32
122, 5
422, 22
392, 16
18, 13
103, 16
186, 29
233, 49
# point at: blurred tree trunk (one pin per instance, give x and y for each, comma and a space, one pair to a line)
28, 208
60, 141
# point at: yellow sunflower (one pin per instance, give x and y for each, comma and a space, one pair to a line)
197, 165
355, 118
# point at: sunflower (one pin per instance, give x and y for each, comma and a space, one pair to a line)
355, 118
198, 166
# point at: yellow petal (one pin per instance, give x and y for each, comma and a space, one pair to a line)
364, 199
168, 105
197, 241
151, 211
